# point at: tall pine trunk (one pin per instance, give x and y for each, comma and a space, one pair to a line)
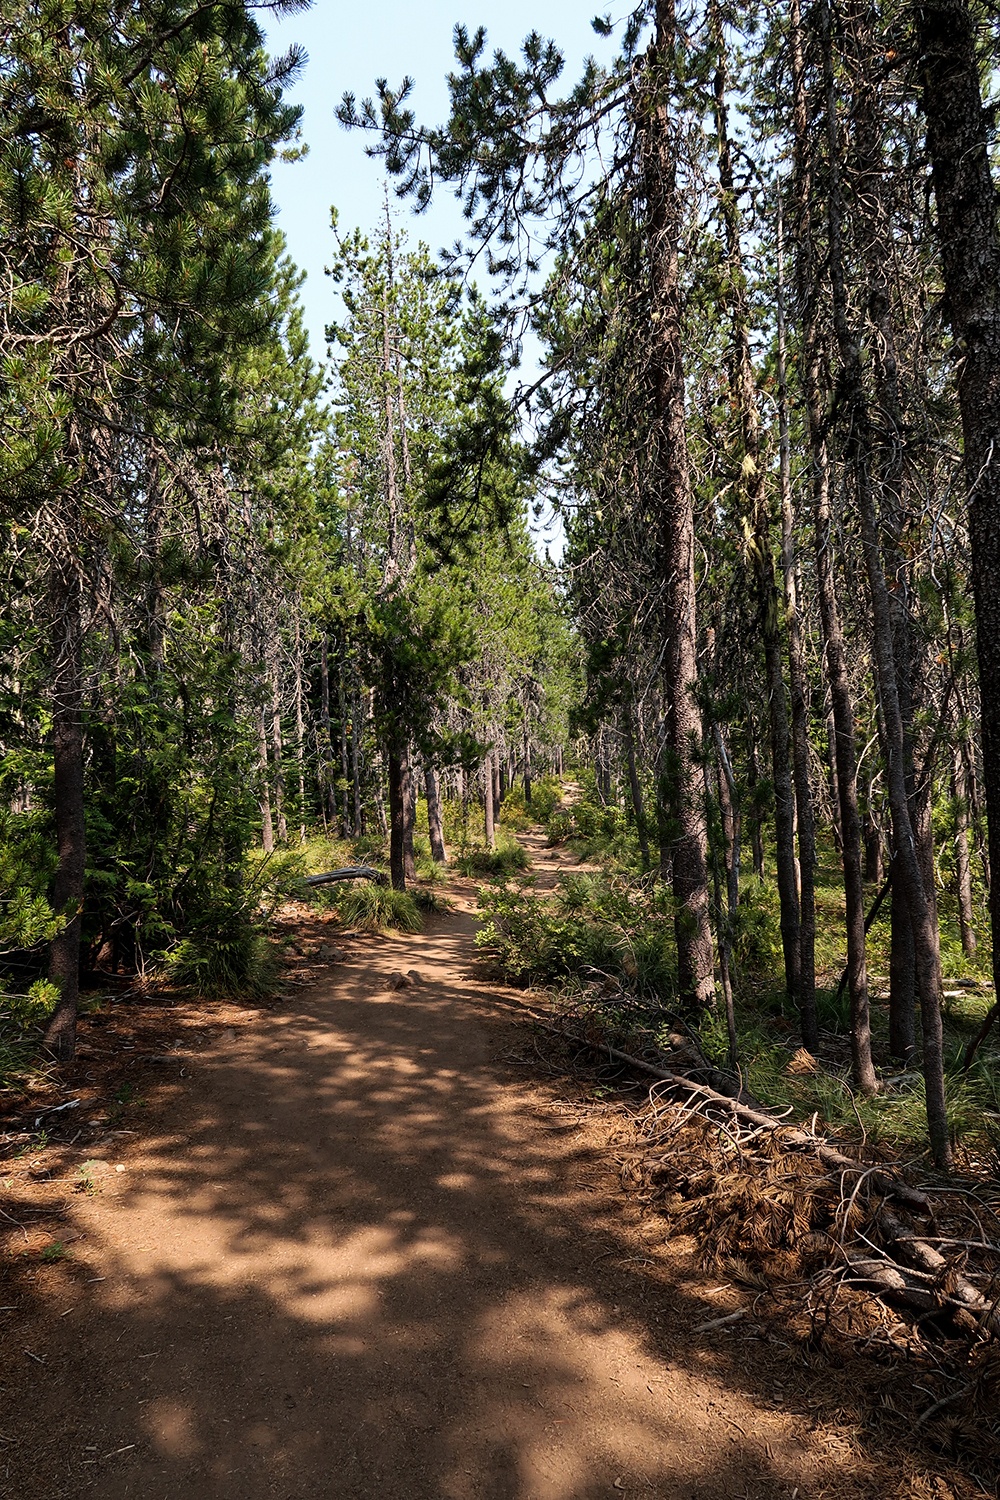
264, 771
397, 770
843, 740
859, 449
758, 523
798, 682
958, 134
409, 813
435, 826
635, 789
674, 506
963, 864
488, 803
68, 801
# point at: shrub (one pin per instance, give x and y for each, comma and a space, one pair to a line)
376, 908
757, 931
226, 957
507, 858
614, 927
429, 901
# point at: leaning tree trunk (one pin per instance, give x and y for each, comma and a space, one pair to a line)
674, 506
68, 804
958, 134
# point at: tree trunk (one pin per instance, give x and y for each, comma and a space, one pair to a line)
527, 763
267, 823
758, 524
357, 730
724, 910
326, 765
798, 682
756, 817
396, 767
488, 804
434, 825
674, 507
835, 652
279, 750
908, 873
958, 134
635, 790
68, 806
300, 727
409, 813
963, 865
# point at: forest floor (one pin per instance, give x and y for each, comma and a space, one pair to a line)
370, 1243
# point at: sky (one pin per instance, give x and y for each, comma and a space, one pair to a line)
351, 43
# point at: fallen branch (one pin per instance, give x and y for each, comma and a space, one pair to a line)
925, 1258
792, 1135
351, 872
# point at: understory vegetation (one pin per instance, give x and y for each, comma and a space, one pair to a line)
601, 943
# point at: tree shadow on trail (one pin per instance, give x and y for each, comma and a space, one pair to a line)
354, 1262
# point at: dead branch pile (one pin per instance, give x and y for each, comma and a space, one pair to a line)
796, 1206
822, 1239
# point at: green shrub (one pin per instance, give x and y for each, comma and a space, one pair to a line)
559, 826
507, 858
756, 936
513, 813
228, 954
376, 908
429, 901
546, 796
30, 1011
615, 927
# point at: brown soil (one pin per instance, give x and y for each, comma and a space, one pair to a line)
364, 1245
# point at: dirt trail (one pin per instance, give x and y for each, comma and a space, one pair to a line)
360, 1252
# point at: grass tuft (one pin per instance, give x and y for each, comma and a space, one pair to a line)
376, 908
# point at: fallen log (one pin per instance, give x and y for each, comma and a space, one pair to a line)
350, 872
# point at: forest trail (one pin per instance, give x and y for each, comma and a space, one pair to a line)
362, 1251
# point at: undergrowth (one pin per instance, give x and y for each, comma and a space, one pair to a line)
605, 941
508, 858
375, 908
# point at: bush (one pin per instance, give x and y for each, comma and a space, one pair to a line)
376, 908
225, 957
429, 901
756, 933
507, 858
614, 927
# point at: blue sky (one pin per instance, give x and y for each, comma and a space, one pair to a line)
351, 43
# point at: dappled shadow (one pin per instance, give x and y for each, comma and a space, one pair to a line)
355, 1261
